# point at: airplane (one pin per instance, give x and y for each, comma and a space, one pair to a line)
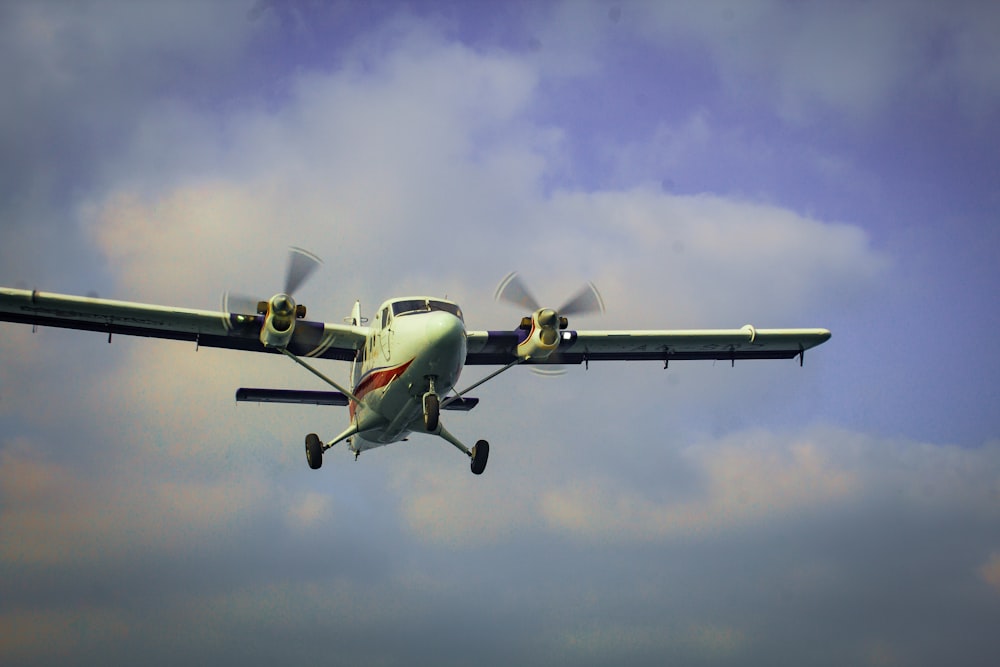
405, 364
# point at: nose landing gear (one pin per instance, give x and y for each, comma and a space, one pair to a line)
432, 406
432, 412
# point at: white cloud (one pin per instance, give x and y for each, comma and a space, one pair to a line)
857, 59
701, 258
747, 478
755, 478
130, 475
372, 170
391, 184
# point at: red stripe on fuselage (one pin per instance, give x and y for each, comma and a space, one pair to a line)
377, 380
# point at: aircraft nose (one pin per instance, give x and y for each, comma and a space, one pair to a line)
444, 352
445, 336
444, 330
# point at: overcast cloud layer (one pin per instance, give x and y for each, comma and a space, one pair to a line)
705, 164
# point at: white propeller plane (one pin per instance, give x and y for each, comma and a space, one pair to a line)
406, 364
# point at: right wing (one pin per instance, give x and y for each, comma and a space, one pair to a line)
576, 347
234, 331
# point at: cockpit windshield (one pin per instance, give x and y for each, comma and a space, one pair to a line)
410, 306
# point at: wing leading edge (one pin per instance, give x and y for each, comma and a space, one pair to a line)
207, 328
576, 347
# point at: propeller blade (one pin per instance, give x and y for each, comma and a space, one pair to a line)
512, 290
548, 371
301, 264
239, 303
587, 300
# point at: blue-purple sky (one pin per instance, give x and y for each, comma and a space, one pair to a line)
706, 164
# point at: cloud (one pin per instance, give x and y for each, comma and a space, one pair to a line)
859, 61
707, 255
373, 174
442, 505
96, 68
28, 636
625, 510
990, 571
745, 479
643, 643
756, 478
53, 515
310, 511
366, 167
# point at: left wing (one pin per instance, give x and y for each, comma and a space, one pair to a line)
575, 347
234, 331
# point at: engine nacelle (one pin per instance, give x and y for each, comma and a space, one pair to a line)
543, 335
279, 321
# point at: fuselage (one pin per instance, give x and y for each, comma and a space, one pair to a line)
415, 345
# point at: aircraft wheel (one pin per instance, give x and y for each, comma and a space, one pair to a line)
314, 451
432, 412
480, 454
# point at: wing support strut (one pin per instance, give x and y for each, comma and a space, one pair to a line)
459, 394
322, 377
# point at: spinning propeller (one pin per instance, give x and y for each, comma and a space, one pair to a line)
280, 311
513, 290
544, 324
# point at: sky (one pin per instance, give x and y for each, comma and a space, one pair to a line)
705, 164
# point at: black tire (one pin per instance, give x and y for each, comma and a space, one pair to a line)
314, 451
480, 454
432, 412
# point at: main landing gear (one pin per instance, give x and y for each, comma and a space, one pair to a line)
432, 405
480, 453
314, 451
432, 424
